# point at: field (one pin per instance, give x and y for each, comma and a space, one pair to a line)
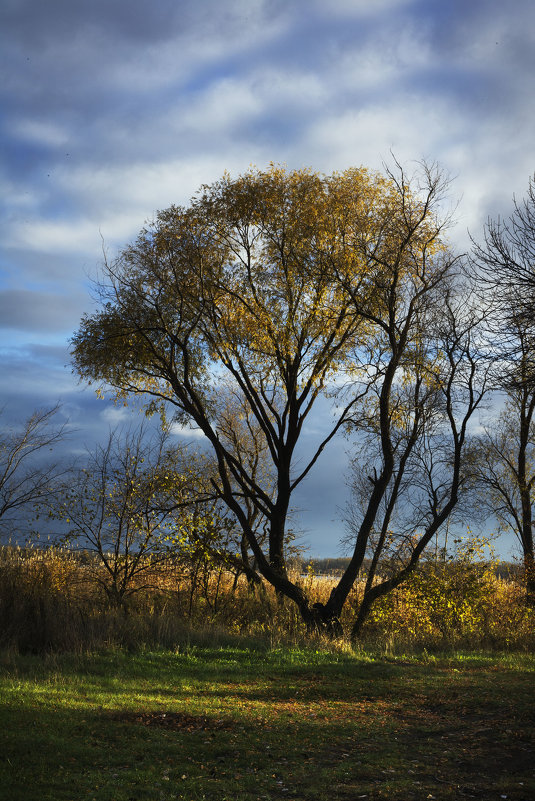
241, 720
200, 689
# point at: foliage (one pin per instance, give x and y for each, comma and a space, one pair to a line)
137, 501
52, 600
42, 595
454, 601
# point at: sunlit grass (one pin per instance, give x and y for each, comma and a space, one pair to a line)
251, 722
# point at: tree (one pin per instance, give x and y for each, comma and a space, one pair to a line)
122, 506
426, 437
505, 268
275, 284
507, 475
419, 381
27, 475
505, 262
139, 500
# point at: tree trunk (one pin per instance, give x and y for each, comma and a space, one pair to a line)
529, 569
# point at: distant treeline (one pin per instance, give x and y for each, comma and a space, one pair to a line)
335, 566
330, 566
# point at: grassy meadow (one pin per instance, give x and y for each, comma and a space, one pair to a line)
199, 690
241, 721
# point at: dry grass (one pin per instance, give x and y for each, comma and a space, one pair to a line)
53, 600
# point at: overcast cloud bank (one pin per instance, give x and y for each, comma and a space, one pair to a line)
113, 110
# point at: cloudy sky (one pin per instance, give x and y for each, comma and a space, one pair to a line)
114, 109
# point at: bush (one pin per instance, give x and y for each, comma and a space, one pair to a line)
455, 604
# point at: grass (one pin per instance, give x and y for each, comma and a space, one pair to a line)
246, 721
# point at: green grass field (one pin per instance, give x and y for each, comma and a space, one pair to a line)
250, 722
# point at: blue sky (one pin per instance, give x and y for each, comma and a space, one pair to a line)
111, 110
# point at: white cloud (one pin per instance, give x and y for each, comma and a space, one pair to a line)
292, 89
54, 236
226, 104
180, 59
19, 197
186, 432
114, 415
361, 8
367, 135
41, 132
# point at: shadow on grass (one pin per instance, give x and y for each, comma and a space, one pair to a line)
236, 724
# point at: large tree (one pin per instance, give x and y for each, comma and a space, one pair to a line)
418, 377
276, 284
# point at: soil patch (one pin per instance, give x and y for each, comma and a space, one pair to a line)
176, 721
